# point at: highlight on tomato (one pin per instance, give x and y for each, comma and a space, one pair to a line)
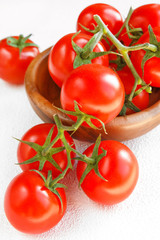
16, 53
62, 56
30, 206
98, 91
111, 173
31, 152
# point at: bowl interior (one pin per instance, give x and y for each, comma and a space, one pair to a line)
44, 96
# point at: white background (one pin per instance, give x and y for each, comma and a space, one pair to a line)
136, 218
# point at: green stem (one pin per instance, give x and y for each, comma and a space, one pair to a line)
61, 136
75, 126
145, 46
124, 50
125, 24
69, 164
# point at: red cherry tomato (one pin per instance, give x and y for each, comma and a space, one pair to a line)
38, 134
142, 99
31, 207
62, 55
145, 15
151, 67
14, 64
98, 91
142, 17
110, 16
119, 167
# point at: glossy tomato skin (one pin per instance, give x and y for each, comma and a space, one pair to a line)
151, 67
38, 134
62, 55
142, 99
13, 65
98, 91
119, 167
146, 15
110, 16
30, 207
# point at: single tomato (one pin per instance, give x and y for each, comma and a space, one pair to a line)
145, 15
98, 91
109, 15
119, 168
16, 53
38, 135
30, 206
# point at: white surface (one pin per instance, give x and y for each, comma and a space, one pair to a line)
136, 218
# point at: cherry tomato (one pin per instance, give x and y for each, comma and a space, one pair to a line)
145, 15
97, 89
110, 16
151, 68
14, 64
142, 99
38, 134
62, 55
119, 167
142, 17
31, 207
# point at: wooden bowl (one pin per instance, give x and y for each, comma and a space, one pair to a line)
44, 94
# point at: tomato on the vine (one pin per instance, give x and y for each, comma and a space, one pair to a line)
151, 71
62, 56
98, 91
110, 16
119, 168
16, 53
30, 206
144, 16
141, 100
38, 135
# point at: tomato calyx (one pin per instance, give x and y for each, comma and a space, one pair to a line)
94, 31
52, 184
149, 54
43, 153
93, 161
81, 118
21, 42
86, 54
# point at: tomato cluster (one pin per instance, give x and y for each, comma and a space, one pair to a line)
102, 71
107, 171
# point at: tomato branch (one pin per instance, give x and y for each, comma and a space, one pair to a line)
124, 50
